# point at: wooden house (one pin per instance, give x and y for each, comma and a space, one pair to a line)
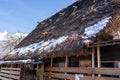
80, 42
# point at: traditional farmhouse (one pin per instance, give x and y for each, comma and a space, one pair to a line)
80, 42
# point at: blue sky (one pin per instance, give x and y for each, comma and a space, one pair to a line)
23, 15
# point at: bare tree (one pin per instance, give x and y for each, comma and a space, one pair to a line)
11, 41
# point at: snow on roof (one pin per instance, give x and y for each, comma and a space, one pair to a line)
51, 43
17, 61
94, 29
42, 45
91, 31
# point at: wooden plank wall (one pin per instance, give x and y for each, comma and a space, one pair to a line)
10, 73
58, 73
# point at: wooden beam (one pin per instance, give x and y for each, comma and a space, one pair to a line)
66, 64
42, 68
98, 58
78, 53
66, 61
107, 71
9, 76
93, 59
78, 70
51, 63
60, 76
72, 77
16, 69
88, 71
106, 43
10, 73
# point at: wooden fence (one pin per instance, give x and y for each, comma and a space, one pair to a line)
10, 73
88, 73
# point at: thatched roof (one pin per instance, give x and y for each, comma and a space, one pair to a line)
70, 29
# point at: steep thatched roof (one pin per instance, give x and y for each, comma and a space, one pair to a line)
72, 19
71, 25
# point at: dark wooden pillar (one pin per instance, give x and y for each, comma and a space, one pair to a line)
93, 60
51, 65
98, 58
66, 63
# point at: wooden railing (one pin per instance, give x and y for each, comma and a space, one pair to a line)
10, 73
88, 73
107, 71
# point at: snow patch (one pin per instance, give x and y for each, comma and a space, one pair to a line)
78, 76
86, 41
92, 30
42, 45
17, 61
116, 35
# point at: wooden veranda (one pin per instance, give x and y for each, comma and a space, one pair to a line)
95, 72
56, 73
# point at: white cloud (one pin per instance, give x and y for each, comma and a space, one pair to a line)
19, 34
3, 36
9, 41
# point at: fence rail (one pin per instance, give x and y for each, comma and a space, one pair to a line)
88, 73
107, 71
10, 74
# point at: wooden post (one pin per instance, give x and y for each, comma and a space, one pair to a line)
51, 65
10, 70
98, 58
66, 63
20, 66
93, 60
42, 68
37, 74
